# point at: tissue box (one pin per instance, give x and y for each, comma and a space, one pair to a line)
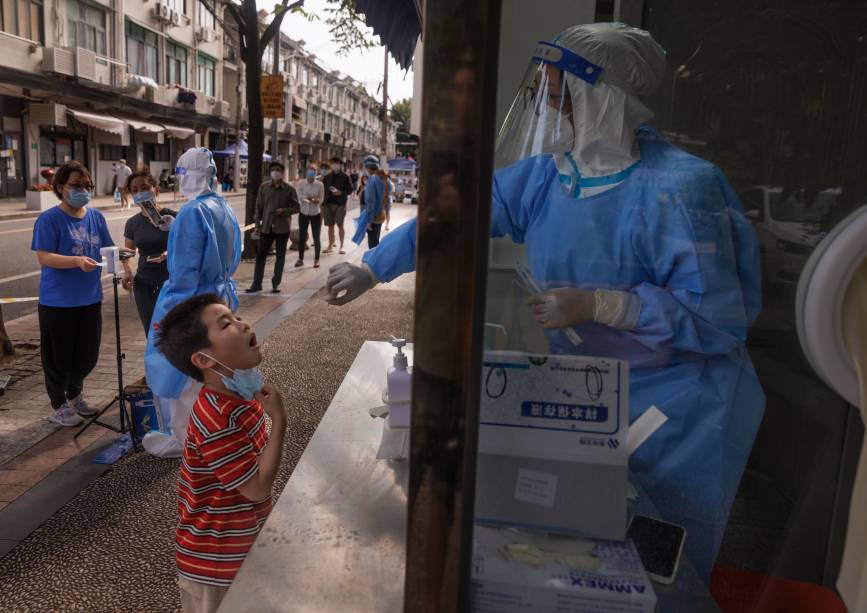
553, 444
501, 585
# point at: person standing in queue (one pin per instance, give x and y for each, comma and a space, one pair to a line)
204, 251
338, 186
276, 202
150, 241
312, 194
374, 204
67, 239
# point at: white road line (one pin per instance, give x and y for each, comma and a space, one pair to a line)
23, 276
30, 228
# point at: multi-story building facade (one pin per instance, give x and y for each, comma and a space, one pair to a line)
327, 114
100, 80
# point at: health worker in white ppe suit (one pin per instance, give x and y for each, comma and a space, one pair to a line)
204, 250
640, 249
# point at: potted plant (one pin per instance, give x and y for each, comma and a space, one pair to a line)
40, 197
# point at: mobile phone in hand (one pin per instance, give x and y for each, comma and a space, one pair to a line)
659, 545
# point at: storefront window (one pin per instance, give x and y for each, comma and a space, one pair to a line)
206, 72
176, 64
154, 152
113, 152
141, 51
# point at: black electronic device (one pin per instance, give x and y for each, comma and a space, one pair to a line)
659, 545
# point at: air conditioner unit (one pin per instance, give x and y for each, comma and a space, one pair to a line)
85, 64
222, 109
175, 18
205, 35
162, 12
58, 61
47, 114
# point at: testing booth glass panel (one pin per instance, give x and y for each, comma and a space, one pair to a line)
655, 199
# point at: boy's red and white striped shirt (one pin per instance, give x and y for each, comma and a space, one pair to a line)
217, 524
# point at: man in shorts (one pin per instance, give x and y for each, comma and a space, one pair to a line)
338, 186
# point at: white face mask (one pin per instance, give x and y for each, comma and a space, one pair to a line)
276, 175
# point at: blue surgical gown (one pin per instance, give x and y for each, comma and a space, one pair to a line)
203, 253
374, 194
674, 234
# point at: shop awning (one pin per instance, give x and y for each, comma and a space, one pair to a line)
143, 126
299, 102
397, 23
105, 123
179, 132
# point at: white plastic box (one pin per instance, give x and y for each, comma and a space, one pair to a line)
500, 585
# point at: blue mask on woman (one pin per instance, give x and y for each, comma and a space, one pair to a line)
143, 196
246, 383
78, 197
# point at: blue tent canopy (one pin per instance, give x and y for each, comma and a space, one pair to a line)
397, 23
230, 152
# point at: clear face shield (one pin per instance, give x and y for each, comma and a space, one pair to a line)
540, 116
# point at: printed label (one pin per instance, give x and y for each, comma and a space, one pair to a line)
536, 487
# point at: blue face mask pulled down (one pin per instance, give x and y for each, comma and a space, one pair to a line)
246, 383
78, 197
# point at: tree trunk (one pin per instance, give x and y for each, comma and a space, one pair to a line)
6, 346
255, 131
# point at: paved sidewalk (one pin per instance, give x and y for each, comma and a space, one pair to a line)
41, 466
16, 208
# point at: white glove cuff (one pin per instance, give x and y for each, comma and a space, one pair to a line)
617, 309
373, 280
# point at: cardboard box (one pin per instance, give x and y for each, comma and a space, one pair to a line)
618, 584
553, 451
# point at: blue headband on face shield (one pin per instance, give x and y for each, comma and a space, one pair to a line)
567, 60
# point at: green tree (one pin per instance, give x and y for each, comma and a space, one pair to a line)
348, 31
401, 112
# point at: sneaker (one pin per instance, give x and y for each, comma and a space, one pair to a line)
299, 263
252, 290
66, 416
81, 407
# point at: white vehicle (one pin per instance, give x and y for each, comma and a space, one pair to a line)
788, 227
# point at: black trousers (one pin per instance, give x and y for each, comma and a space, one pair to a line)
265, 242
146, 293
315, 223
373, 235
69, 343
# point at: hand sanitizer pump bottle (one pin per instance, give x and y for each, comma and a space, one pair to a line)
399, 387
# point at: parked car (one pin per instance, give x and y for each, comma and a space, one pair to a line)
788, 224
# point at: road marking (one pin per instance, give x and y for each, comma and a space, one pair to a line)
16, 300
23, 276
30, 228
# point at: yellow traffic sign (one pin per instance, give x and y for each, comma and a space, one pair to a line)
272, 96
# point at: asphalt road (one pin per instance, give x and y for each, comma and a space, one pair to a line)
19, 271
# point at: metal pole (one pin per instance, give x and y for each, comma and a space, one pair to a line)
458, 106
275, 70
239, 106
384, 137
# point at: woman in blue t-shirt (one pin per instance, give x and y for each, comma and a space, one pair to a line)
67, 240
